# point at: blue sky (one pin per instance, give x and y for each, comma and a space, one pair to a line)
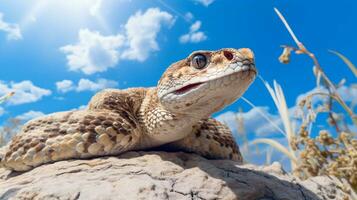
57, 54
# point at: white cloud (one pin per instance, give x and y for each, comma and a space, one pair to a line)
198, 37
255, 125
81, 107
254, 122
195, 26
141, 32
347, 93
316, 98
194, 35
13, 30
189, 16
85, 85
59, 98
204, 2
64, 86
96, 53
32, 18
259, 154
30, 115
94, 9
25, 92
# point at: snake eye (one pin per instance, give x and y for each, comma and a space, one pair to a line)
199, 61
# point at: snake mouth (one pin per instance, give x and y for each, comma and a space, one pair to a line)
190, 87
187, 88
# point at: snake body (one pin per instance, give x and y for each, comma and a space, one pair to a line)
176, 114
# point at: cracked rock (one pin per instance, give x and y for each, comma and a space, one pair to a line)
161, 175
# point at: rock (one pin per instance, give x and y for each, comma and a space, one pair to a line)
161, 175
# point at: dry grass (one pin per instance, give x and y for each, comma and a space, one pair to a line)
11, 126
6, 97
328, 153
9, 129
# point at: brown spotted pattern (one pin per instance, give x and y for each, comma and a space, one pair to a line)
211, 139
121, 120
106, 128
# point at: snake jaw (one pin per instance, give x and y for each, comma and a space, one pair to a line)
187, 88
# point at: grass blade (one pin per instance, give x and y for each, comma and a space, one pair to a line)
352, 67
264, 116
6, 97
277, 146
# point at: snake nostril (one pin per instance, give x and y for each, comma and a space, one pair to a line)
228, 55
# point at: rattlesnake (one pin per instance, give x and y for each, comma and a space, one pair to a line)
176, 114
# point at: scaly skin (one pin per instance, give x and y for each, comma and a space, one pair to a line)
175, 114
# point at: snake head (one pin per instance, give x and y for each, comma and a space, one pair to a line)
207, 81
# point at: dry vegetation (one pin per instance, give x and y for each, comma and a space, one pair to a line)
11, 126
9, 129
330, 152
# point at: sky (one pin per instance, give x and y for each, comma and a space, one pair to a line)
56, 54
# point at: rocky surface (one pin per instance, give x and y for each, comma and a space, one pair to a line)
161, 175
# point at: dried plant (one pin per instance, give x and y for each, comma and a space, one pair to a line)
333, 151
318, 71
244, 144
347, 61
6, 97
241, 132
2, 140
9, 129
